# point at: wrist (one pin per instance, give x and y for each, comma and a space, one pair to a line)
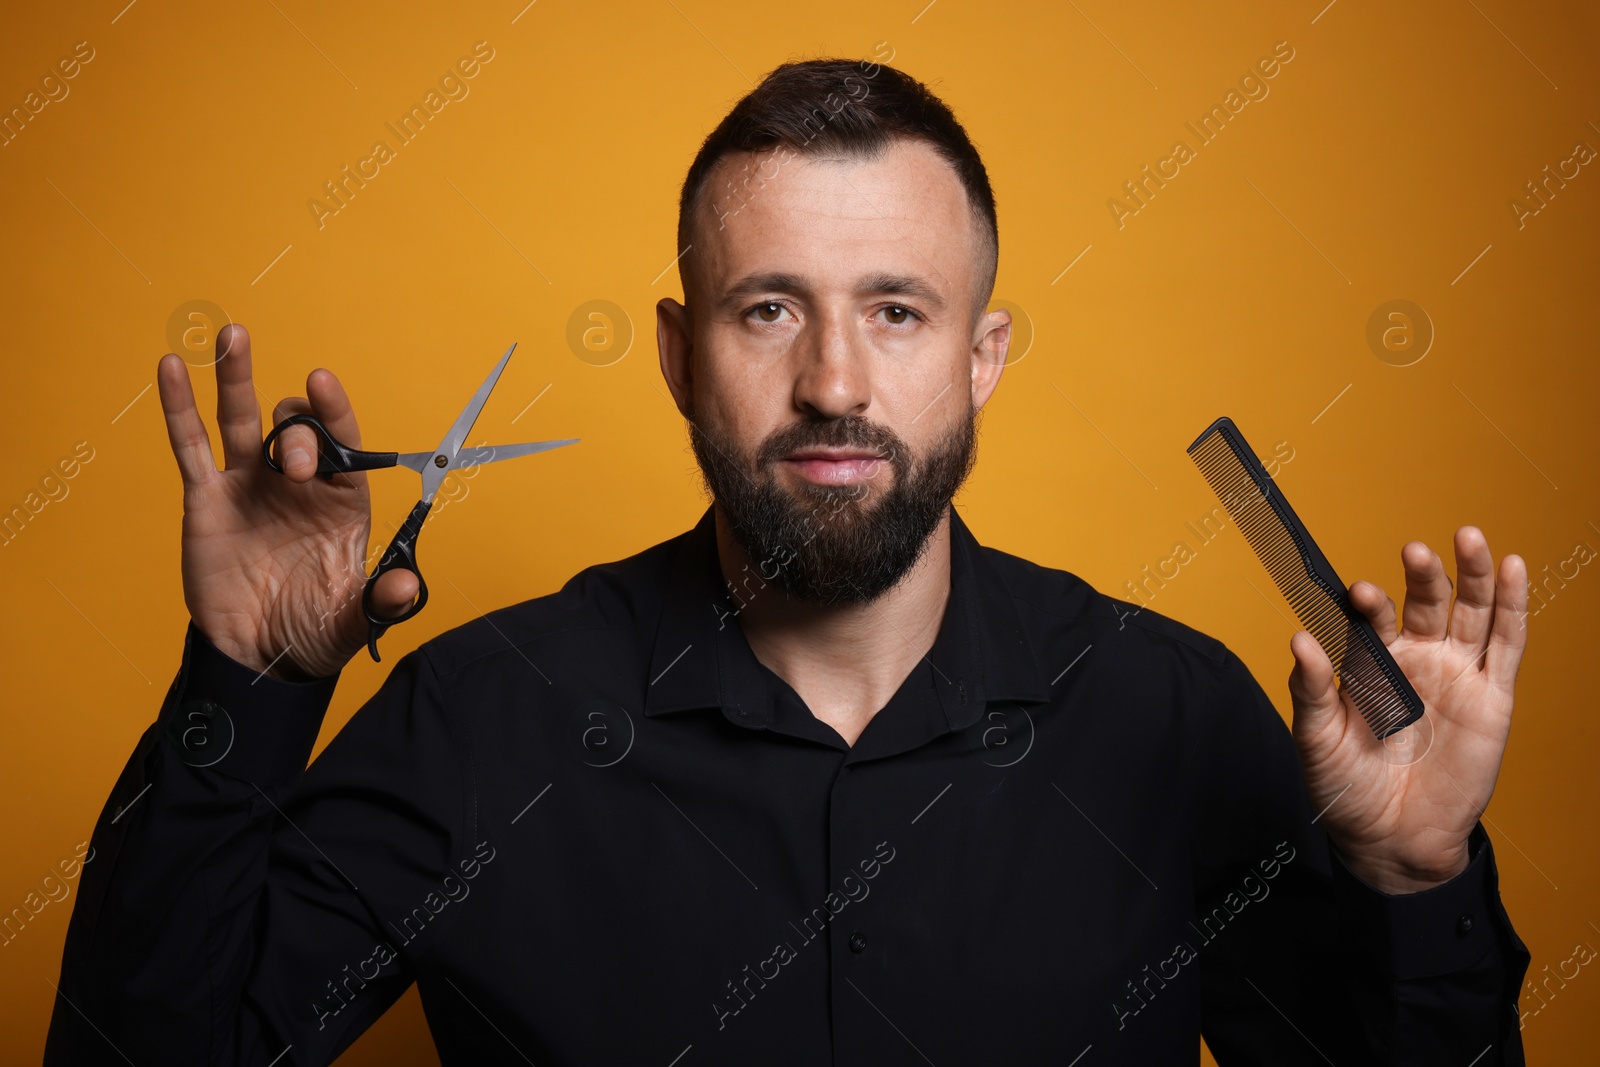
282, 668
1395, 876
240, 653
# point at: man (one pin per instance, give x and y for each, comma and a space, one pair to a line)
821, 780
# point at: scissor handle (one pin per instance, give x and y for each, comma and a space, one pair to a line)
334, 457
402, 552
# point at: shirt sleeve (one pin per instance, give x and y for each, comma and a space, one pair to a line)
240, 906
1302, 961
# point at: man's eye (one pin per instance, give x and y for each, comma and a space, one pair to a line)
770, 311
898, 314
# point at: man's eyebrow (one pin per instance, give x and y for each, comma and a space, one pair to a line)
900, 285
766, 282
881, 284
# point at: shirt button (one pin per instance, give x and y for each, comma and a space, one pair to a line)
204, 708
1464, 925
858, 942
201, 731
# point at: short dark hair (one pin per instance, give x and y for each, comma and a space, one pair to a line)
853, 108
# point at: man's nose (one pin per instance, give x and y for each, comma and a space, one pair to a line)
831, 378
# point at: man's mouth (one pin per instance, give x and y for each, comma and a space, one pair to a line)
834, 466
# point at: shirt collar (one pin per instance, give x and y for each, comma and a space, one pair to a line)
701, 660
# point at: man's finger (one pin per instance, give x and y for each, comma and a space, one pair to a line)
1510, 634
332, 406
1378, 607
238, 414
191, 445
297, 447
1473, 613
1312, 688
394, 592
1427, 607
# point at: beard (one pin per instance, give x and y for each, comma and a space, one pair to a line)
835, 544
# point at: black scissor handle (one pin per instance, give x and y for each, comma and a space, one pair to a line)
334, 457
402, 553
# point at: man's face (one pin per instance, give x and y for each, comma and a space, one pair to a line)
828, 362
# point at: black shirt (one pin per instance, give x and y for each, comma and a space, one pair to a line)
595, 829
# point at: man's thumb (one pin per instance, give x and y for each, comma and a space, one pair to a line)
1313, 689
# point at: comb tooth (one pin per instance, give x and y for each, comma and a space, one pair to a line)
1383, 708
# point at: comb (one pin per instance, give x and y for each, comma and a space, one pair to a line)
1369, 674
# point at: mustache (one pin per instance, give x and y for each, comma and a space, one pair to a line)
850, 431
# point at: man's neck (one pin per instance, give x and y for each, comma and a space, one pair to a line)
844, 661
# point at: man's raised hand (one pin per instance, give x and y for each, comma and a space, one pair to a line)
1400, 812
273, 564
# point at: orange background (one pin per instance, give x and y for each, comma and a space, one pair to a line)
1380, 166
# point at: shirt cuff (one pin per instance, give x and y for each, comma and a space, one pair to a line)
1421, 935
244, 723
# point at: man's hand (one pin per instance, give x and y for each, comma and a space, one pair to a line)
1400, 811
273, 564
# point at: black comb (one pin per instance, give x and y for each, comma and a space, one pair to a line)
1307, 580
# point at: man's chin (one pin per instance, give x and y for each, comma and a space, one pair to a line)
816, 508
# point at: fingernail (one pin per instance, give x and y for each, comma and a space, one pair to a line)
295, 456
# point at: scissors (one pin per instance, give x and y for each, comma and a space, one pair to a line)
335, 457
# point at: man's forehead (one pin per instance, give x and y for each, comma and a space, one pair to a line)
906, 187
903, 212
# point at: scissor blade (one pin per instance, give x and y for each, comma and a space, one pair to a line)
417, 461
476, 457
469, 415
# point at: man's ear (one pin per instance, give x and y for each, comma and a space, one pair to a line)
990, 346
675, 341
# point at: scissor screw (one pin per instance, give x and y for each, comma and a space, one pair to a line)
440, 460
